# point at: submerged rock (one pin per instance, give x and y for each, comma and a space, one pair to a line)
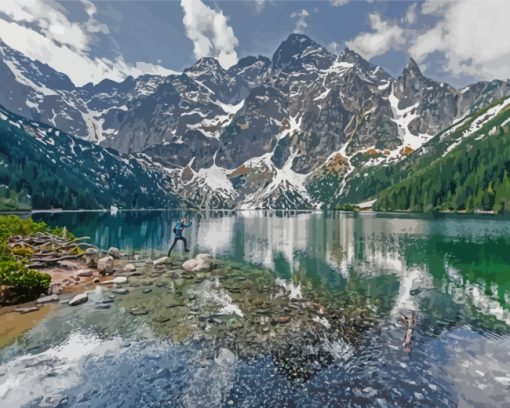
280, 320
129, 267
24, 310
78, 299
225, 357
102, 306
138, 311
120, 291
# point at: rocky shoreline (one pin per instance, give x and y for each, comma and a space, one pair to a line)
245, 308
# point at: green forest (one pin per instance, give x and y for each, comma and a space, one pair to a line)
472, 176
41, 168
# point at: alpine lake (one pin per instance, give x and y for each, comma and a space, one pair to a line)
301, 309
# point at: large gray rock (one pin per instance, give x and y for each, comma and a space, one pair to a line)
78, 299
105, 264
114, 252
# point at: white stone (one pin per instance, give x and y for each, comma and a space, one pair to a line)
120, 280
78, 299
105, 264
204, 257
190, 264
161, 261
129, 267
84, 272
47, 299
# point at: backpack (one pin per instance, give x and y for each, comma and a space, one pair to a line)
175, 229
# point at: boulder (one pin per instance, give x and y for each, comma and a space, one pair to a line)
162, 261
105, 264
190, 264
114, 252
201, 263
204, 258
202, 266
47, 299
78, 299
91, 256
84, 273
129, 267
120, 280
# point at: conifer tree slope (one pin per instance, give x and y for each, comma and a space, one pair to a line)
471, 174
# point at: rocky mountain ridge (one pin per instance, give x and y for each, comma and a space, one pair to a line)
282, 132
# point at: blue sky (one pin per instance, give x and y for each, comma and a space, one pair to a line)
452, 41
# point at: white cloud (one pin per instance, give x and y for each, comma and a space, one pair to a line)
411, 16
334, 47
384, 37
301, 23
210, 33
339, 3
472, 36
41, 30
259, 5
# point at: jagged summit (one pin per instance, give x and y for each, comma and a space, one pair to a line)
349, 55
292, 48
265, 132
412, 69
203, 65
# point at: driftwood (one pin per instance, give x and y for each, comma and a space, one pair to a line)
48, 249
408, 337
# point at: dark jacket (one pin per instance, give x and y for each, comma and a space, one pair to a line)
179, 228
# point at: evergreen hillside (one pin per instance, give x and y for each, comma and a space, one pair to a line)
472, 173
42, 168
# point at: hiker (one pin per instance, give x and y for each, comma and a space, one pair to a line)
178, 230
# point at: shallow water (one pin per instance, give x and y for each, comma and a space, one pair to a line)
364, 269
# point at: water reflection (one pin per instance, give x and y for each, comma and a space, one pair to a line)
407, 260
452, 270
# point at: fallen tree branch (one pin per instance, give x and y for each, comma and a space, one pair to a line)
408, 336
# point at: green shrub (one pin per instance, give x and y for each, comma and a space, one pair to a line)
18, 283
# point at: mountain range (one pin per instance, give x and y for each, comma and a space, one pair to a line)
304, 129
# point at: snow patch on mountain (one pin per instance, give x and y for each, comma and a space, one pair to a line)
403, 117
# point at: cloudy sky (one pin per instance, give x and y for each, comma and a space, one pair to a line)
453, 41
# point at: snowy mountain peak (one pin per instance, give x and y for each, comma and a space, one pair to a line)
206, 65
412, 69
294, 47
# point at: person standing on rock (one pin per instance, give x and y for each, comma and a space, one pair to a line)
178, 230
